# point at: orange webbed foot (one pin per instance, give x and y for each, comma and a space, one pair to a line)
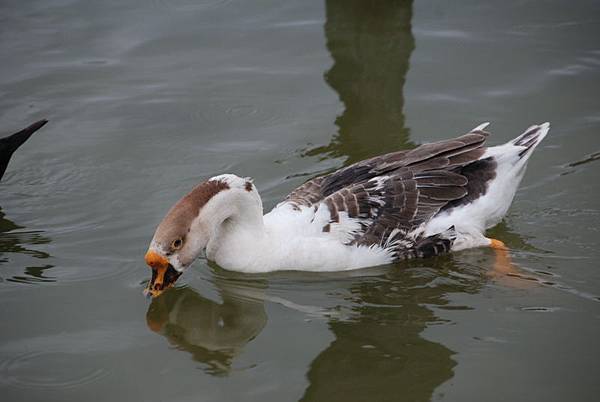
504, 270
498, 245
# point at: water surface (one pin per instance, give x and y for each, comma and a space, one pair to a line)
146, 99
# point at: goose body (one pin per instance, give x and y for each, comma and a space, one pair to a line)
436, 198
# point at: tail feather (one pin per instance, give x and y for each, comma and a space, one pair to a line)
431, 246
531, 138
481, 127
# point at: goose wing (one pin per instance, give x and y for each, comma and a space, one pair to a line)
387, 210
443, 155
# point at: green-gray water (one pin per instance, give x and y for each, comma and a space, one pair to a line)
146, 99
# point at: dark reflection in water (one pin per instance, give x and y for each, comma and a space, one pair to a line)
13, 239
213, 333
370, 43
379, 353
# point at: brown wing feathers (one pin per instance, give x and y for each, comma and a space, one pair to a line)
441, 154
448, 154
307, 194
393, 194
360, 201
409, 200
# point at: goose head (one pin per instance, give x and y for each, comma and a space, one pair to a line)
193, 222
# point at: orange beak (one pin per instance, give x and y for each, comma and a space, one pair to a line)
163, 273
155, 260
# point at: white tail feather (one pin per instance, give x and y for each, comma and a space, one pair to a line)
481, 127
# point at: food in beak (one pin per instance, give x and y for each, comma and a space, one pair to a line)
164, 274
162, 279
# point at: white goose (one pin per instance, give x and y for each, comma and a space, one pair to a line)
422, 202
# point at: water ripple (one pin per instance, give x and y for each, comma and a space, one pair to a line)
240, 110
23, 371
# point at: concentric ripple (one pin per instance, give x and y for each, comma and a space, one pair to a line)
47, 369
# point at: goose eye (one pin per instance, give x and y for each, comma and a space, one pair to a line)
177, 243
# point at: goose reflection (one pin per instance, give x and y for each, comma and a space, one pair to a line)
14, 239
379, 351
214, 333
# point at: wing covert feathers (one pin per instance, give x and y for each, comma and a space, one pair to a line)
392, 196
448, 154
408, 200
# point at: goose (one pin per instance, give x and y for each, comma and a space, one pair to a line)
433, 199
